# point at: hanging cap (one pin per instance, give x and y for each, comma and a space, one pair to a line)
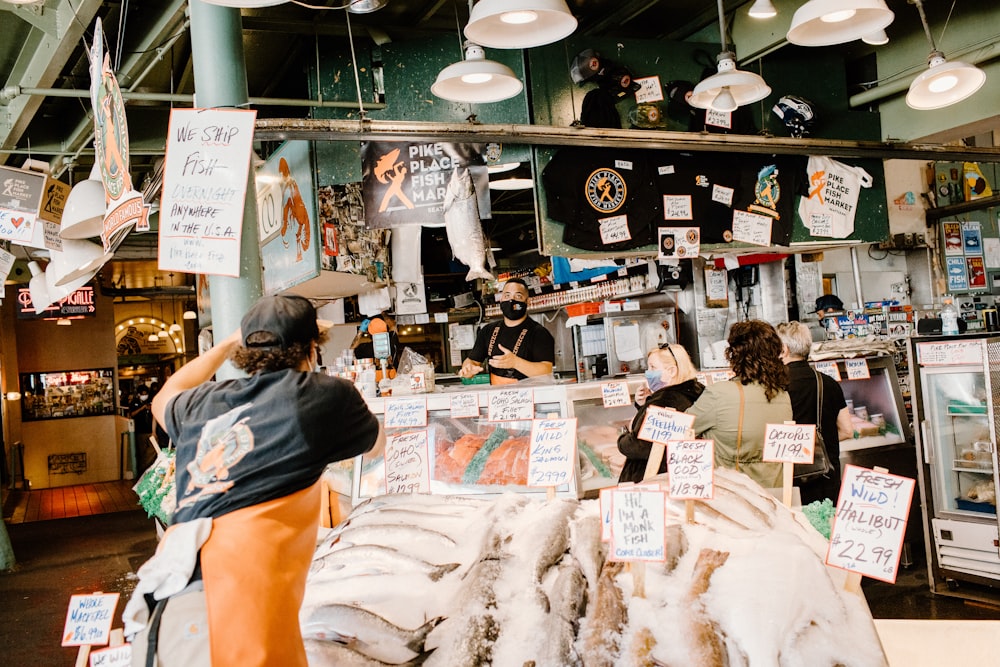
586, 65
828, 302
676, 90
279, 321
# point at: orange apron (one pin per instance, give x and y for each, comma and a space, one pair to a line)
254, 567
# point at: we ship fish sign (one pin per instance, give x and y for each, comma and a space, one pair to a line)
869, 524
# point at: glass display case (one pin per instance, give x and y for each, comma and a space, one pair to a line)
64, 394
453, 443
956, 380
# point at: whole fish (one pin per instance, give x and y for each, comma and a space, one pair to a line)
463, 226
367, 633
320, 653
382, 560
420, 542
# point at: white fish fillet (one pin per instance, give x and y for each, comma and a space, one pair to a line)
462, 224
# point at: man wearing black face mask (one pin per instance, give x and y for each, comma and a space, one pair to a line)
517, 347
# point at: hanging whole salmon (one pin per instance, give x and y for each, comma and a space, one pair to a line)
462, 224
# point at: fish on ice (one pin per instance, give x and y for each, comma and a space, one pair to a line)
463, 226
366, 632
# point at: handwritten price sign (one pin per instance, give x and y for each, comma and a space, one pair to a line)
637, 529
828, 368
114, 656
552, 459
857, 369
464, 405
663, 424
406, 413
792, 443
615, 394
950, 354
692, 466
870, 522
508, 405
407, 465
89, 618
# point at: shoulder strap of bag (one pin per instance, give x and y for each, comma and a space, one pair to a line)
819, 400
739, 424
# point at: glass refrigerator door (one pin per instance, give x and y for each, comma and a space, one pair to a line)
957, 436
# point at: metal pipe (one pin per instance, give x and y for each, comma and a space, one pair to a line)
11, 92
856, 270
545, 135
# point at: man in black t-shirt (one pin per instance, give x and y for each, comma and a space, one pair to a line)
517, 347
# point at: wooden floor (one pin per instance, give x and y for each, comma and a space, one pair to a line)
69, 501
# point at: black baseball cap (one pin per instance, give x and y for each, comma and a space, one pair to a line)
828, 302
279, 321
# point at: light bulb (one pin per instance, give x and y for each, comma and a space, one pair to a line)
837, 17
724, 101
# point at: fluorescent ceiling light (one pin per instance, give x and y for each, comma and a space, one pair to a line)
512, 184
827, 22
476, 79
763, 9
519, 24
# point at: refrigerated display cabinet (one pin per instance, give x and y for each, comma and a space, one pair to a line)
956, 380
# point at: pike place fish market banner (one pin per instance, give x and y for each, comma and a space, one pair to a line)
405, 184
204, 188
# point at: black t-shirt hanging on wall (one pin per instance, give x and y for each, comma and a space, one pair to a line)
698, 190
605, 198
769, 187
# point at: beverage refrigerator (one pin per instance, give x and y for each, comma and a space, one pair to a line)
956, 383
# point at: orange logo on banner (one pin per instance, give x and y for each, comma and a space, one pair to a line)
390, 168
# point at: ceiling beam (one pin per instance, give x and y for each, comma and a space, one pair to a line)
41, 61
281, 129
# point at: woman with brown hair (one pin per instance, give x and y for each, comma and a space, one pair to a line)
734, 413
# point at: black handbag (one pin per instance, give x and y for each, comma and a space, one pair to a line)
820, 467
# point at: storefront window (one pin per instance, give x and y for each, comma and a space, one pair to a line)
62, 394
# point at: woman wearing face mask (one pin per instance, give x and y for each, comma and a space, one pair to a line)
517, 347
670, 383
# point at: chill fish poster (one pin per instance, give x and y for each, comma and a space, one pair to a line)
406, 183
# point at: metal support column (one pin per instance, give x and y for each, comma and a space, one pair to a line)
221, 81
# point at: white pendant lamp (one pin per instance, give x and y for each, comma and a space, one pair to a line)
519, 24
877, 38
944, 82
476, 79
763, 9
77, 260
365, 6
827, 22
38, 289
83, 215
729, 87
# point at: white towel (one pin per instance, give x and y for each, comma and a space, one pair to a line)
168, 571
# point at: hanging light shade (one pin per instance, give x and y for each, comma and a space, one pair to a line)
83, 215
827, 22
153, 338
877, 38
174, 328
729, 88
476, 79
77, 259
64, 322
943, 83
763, 9
38, 289
190, 315
246, 3
519, 24
365, 6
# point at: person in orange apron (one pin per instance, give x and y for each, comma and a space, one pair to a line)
515, 347
250, 453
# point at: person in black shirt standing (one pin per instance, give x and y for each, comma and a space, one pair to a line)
796, 341
517, 347
142, 417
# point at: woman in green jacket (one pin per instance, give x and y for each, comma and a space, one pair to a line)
734, 413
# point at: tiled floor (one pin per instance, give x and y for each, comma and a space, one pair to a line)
69, 501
